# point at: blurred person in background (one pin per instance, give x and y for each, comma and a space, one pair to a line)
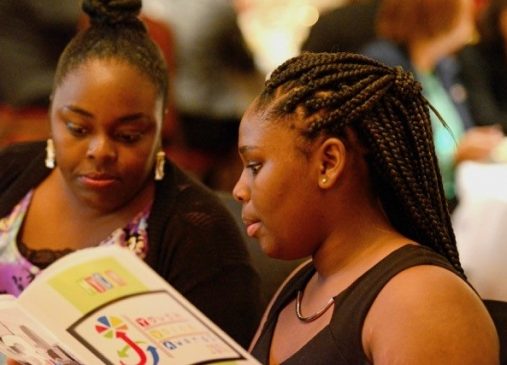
215, 77
423, 37
484, 66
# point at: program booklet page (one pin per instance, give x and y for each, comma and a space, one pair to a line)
104, 305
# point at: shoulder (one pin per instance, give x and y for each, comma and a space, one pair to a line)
428, 314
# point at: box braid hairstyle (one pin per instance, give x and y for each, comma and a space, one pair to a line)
115, 32
385, 107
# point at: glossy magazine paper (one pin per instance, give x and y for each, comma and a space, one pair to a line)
103, 305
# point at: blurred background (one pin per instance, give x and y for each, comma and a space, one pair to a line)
219, 53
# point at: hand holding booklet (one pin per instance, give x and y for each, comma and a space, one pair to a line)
104, 305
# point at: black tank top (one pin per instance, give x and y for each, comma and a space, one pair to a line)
340, 342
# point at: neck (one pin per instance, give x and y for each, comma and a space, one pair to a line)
348, 253
358, 233
359, 242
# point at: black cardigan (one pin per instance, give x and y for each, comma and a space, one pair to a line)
194, 243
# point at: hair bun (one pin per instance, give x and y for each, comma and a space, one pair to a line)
112, 11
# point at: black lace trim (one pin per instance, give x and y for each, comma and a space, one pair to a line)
41, 258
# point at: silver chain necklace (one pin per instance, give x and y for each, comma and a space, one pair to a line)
315, 315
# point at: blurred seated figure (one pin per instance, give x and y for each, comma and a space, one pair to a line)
32, 35
484, 66
215, 77
346, 28
423, 37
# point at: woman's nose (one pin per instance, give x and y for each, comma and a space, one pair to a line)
240, 190
101, 148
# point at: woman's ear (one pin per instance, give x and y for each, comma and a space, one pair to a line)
331, 158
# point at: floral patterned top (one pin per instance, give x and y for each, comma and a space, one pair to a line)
19, 265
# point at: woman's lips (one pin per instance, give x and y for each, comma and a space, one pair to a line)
98, 181
252, 228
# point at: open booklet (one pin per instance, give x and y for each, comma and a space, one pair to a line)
104, 305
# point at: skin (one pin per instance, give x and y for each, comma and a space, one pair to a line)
106, 119
275, 181
412, 321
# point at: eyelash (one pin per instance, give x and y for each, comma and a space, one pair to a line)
127, 138
75, 129
254, 167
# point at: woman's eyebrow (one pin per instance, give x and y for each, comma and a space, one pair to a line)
244, 149
132, 117
77, 110
126, 118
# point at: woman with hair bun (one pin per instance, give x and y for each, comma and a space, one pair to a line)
102, 178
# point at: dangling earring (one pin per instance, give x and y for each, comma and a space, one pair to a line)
50, 154
159, 165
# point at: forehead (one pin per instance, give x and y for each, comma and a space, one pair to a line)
260, 130
99, 80
106, 70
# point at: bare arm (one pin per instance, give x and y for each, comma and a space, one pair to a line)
427, 315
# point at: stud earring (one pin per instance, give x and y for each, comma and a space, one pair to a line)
159, 165
50, 154
324, 180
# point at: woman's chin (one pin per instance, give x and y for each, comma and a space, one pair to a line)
276, 252
270, 249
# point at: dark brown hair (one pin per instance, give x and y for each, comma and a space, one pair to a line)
385, 107
115, 32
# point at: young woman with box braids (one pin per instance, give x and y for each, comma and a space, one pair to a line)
340, 166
